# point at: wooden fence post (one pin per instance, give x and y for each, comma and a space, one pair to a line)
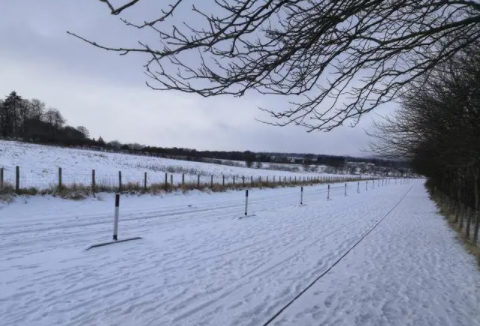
1, 179
166, 181
171, 180
59, 177
477, 226
93, 182
119, 181
145, 182
211, 181
469, 221
17, 179
223, 180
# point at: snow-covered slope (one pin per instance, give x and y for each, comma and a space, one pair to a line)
378, 257
39, 167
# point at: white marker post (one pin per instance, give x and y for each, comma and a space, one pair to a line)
115, 228
115, 223
246, 202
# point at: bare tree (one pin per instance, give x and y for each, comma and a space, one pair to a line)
84, 131
438, 127
339, 58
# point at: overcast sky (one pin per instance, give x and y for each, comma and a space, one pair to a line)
107, 93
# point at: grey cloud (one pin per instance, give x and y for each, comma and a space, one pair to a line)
106, 92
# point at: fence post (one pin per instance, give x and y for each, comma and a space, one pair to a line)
358, 187
345, 189
366, 185
274, 179
59, 177
211, 181
183, 180
93, 182
17, 179
119, 181
469, 220
251, 180
145, 182
477, 226
1, 179
267, 180
301, 195
295, 180
462, 209
171, 180
260, 181
234, 181
246, 202
198, 181
166, 180
223, 180
115, 221
328, 193
243, 180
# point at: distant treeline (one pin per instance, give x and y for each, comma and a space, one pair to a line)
32, 121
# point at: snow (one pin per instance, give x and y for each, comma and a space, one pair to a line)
386, 256
39, 167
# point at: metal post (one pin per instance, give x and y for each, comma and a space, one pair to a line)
345, 189
115, 223
246, 202
328, 193
223, 180
301, 195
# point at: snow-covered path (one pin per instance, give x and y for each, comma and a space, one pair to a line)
198, 264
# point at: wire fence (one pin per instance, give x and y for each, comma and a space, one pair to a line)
22, 178
465, 218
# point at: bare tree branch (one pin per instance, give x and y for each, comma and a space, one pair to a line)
338, 59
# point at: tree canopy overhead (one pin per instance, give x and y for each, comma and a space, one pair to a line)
333, 60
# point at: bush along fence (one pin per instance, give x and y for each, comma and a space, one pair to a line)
82, 185
464, 218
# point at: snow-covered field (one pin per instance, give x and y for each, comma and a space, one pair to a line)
378, 257
39, 167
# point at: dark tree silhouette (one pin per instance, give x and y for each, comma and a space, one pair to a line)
339, 59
